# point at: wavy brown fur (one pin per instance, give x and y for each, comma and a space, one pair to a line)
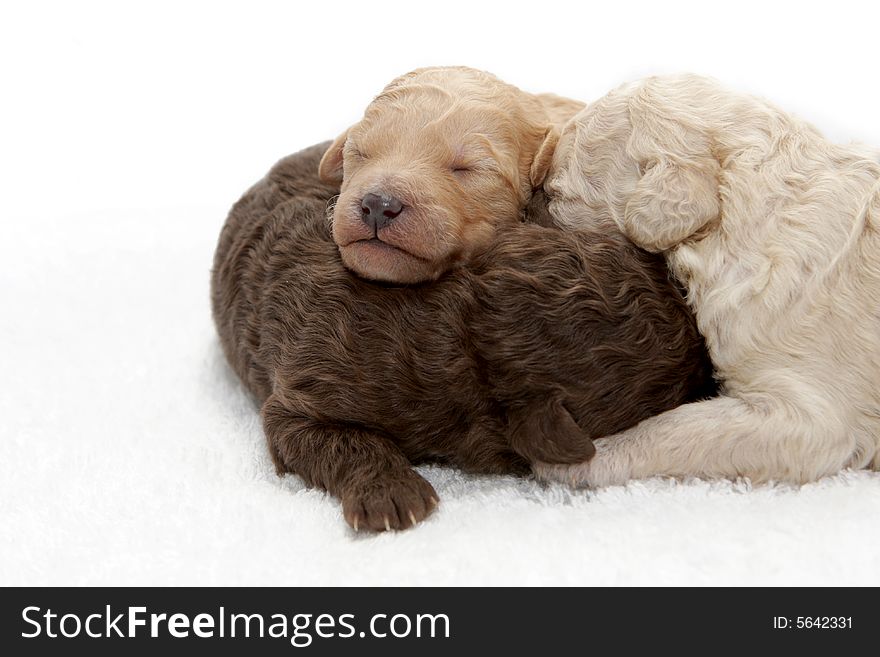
546, 340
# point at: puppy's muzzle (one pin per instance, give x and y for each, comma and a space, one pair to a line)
379, 210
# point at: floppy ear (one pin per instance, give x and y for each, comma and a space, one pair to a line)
330, 168
672, 201
543, 158
544, 431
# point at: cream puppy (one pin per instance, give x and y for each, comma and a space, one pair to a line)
442, 158
774, 232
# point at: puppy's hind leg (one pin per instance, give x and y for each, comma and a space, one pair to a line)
724, 437
375, 481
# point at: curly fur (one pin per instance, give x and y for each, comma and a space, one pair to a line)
545, 340
774, 232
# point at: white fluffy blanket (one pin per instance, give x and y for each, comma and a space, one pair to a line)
129, 454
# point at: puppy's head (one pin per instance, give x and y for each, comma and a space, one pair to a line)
642, 159
441, 158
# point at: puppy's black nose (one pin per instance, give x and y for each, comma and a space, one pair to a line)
378, 210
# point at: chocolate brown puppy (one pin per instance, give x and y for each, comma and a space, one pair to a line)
545, 340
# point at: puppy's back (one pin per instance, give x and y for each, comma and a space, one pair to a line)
290, 197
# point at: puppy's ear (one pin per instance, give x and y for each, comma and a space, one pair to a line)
544, 431
543, 158
330, 168
672, 201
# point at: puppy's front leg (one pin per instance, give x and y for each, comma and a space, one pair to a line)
724, 437
375, 481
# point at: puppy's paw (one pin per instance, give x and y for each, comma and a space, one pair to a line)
576, 475
606, 468
546, 432
396, 500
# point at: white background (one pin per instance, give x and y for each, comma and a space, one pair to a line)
151, 104
128, 452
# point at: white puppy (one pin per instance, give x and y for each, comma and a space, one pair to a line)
774, 232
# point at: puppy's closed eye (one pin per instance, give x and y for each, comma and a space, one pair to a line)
462, 168
353, 151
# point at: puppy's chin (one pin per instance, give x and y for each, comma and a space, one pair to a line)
378, 261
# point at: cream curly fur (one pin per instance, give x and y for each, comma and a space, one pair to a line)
774, 232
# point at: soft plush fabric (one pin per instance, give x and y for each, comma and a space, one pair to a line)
129, 454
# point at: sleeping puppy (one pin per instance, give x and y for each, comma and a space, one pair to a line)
774, 232
441, 157
545, 340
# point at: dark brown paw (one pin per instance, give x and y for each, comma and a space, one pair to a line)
391, 501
